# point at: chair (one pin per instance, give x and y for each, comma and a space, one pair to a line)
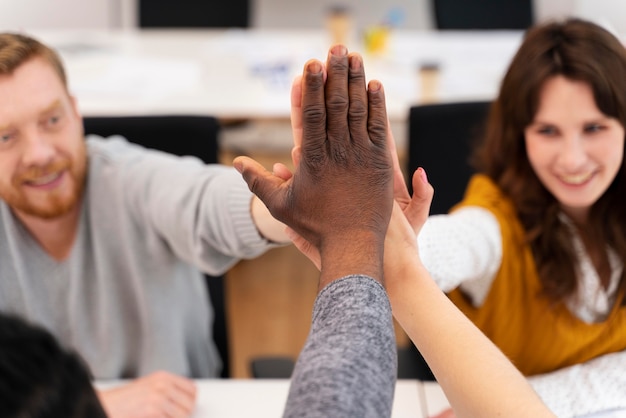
193, 135
411, 365
194, 14
272, 367
483, 14
440, 138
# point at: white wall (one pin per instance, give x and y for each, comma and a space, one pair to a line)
49, 14
609, 13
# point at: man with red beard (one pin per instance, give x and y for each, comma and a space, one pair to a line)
101, 240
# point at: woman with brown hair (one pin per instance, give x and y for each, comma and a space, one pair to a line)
534, 254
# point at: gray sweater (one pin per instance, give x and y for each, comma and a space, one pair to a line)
130, 297
348, 365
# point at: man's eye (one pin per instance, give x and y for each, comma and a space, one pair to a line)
4, 138
51, 121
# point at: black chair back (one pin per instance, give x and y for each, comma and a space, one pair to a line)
440, 140
483, 14
178, 135
194, 14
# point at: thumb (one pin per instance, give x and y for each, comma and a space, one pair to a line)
260, 181
418, 209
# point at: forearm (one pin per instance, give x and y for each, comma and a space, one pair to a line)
595, 386
348, 364
476, 377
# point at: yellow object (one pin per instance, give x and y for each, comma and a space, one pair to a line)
376, 39
537, 335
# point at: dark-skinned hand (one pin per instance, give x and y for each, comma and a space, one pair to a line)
340, 196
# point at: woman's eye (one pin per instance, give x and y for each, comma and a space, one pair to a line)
593, 128
547, 131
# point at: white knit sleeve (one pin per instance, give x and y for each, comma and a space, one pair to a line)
598, 385
463, 249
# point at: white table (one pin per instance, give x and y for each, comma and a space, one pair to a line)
265, 398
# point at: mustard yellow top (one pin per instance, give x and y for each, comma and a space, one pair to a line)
536, 334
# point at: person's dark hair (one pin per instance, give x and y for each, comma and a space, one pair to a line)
16, 49
40, 379
579, 51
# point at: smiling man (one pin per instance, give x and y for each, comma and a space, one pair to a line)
103, 242
42, 154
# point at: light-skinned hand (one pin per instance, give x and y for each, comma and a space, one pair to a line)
160, 394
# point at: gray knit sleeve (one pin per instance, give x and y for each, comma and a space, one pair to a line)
348, 365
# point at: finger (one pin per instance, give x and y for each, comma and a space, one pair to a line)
400, 191
182, 400
313, 108
296, 155
176, 408
296, 111
377, 113
357, 110
260, 181
179, 394
417, 211
186, 386
281, 170
337, 98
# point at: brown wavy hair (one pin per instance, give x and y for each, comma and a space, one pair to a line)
16, 49
580, 51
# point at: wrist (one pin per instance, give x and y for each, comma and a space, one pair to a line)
360, 254
268, 227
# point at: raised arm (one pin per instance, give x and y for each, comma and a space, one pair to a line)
339, 199
476, 377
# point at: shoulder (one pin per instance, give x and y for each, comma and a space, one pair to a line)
119, 152
483, 187
113, 148
483, 192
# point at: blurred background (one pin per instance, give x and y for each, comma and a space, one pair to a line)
417, 14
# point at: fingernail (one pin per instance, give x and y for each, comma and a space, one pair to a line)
339, 51
314, 67
374, 85
423, 176
238, 165
355, 62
